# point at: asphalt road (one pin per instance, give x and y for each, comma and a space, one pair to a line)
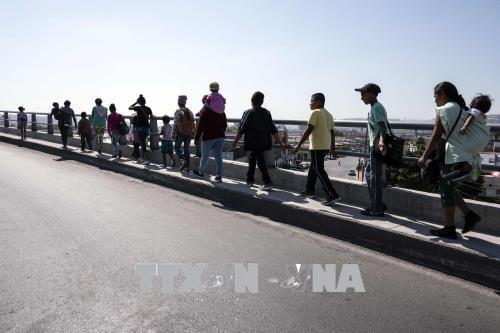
71, 235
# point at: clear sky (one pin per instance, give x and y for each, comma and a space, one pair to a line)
80, 50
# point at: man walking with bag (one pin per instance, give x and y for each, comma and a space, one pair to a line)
377, 125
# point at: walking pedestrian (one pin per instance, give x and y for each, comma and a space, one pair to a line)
183, 131
144, 115
450, 117
22, 122
67, 115
212, 131
321, 135
257, 126
85, 132
377, 129
114, 121
167, 146
98, 118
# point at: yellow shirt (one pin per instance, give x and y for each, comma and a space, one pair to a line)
321, 137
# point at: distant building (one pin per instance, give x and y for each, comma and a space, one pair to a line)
492, 185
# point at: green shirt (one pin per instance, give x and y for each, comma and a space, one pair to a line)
321, 137
99, 116
376, 115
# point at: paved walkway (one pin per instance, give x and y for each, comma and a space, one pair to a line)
71, 235
480, 244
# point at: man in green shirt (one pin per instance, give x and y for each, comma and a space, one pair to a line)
321, 141
377, 124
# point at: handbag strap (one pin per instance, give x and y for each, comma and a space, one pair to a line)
454, 125
389, 126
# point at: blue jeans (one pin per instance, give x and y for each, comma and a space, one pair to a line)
181, 139
373, 174
115, 146
214, 145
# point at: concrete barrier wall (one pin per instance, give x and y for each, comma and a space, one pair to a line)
399, 200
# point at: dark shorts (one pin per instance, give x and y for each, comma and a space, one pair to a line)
143, 133
167, 147
447, 189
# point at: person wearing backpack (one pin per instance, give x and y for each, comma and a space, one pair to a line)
183, 131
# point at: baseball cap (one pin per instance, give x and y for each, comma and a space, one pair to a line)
370, 87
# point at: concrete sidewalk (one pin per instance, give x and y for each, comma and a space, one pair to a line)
474, 257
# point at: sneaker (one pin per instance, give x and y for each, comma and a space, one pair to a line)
119, 154
113, 156
331, 200
218, 179
266, 187
369, 212
249, 183
140, 161
306, 194
198, 173
173, 163
471, 218
446, 232
146, 162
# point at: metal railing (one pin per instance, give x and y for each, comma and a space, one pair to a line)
34, 124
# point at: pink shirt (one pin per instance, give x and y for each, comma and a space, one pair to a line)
216, 102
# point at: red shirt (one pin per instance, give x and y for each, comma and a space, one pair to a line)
212, 125
114, 120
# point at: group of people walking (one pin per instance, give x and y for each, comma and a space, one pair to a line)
463, 127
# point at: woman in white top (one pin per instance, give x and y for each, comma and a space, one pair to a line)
450, 107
